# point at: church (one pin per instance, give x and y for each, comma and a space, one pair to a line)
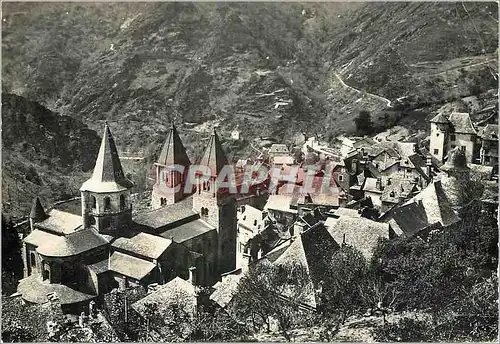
80, 257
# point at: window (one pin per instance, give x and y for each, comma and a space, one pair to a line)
32, 259
122, 202
107, 204
463, 147
92, 220
437, 134
255, 222
93, 202
341, 178
436, 151
452, 137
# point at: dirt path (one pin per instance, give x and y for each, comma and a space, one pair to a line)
389, 103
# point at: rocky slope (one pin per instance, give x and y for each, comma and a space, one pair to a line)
43, 154
270, 69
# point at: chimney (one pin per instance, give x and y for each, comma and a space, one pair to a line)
192, 275
428, 165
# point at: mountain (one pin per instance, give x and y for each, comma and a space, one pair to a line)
269, 69
43, 154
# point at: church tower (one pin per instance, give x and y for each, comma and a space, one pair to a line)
440, 126
106, 195
217, 206
167, 177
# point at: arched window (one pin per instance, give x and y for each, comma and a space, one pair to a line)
32, 259
122, 202
93, 202
92, 220
107, 204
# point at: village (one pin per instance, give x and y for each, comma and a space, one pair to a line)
195, 245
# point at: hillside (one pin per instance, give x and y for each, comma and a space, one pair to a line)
267, 67
43, 154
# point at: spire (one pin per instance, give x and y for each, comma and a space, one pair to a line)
214, 156
173, 151
108, 174
37, 213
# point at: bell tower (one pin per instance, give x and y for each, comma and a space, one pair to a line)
217, 206
106, 195
170, 181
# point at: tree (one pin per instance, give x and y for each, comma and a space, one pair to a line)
344, 275
364, 124
273, 292
12, 264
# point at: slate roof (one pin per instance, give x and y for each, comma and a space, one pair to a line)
280, 203
174, 292
168, 215
295, 255
489, 132
173, 151
462, 123
397, 190
436, 204
278, 148
346, 212
144, 244
38, 237
365, 142
311, 250
214, 157
35, 290
188, 231
108, 174
440, 118
130, 266
226, 289
72, 244
100, 267
409, 219
361, 233
37, 212
60, 222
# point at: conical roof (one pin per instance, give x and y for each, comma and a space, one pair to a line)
214, 156
173, 151
37, 212
108, 174
457, 160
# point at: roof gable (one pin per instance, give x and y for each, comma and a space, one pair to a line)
462, 123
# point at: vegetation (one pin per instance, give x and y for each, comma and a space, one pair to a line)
364, 124
260, 297
12, 263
